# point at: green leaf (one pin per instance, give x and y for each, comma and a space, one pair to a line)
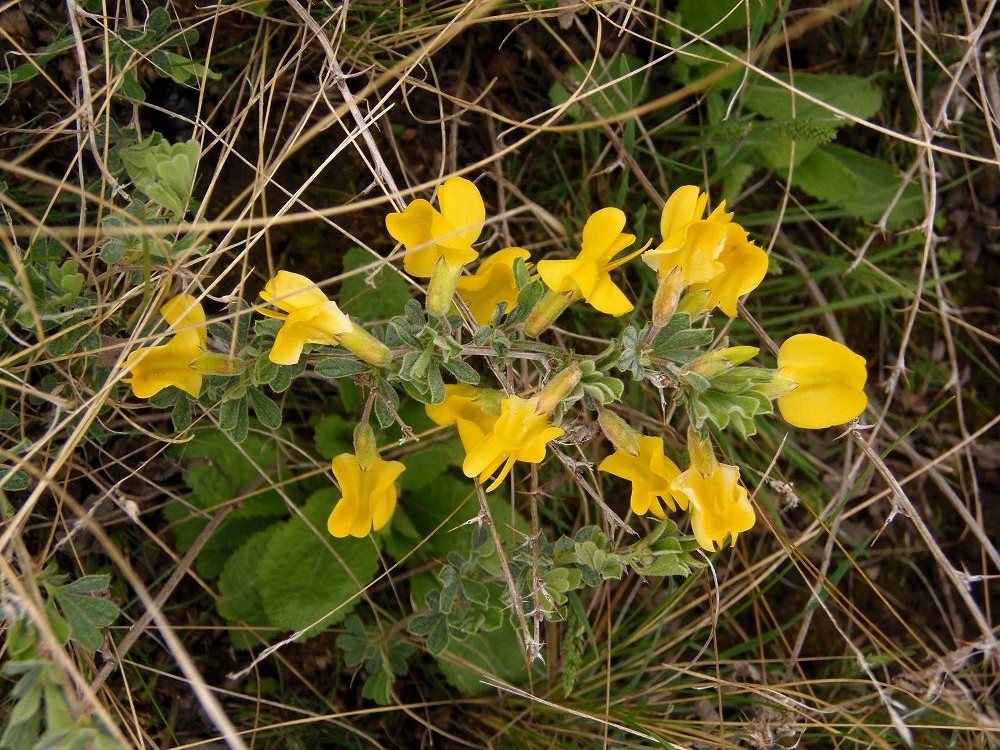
240, 601
370, 297
305, 575
854, 95
340, 367
857, 183
333, 435
713, 18
266, 410
164, 171
87, 616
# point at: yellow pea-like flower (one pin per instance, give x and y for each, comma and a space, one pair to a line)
719, 505
651, 474
690, 243
311, 318
465, 407
744, 265
368, 495
520, 433
430, 235
492, 283
826, 382
588, 275
153, 368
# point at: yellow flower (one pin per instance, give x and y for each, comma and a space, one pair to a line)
519, 434
588, 275
492, 283
463, 406
718, 503
153, 368
369, 495
650, 473
430, 235
826, 379
690, 243
310, 318
744, 265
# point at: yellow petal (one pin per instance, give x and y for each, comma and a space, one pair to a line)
607, 298
719, 504
185, 315
292, 291
462, 207
153, 368
412, 226
745, 265
829, 379
558, 274
601, 231
684, 206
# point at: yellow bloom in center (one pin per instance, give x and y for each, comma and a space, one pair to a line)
519, 434
588, 275
310, 318
719, 504
492, 283
153, 368
369, 495
430, 235
463, 407
690, 243
828, 382
651, 474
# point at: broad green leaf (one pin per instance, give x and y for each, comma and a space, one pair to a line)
857, 183
712, 18
851, 94
382, 298
305, 575
87, 616
240, 600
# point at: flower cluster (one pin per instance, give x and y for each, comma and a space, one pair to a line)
702, 263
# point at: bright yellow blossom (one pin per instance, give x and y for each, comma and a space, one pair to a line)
464, 406
690, 243
310, 318
744, 265
651, 474
369, 495
153, 368
825, 382
430, 235
519, 434
718, 503
588, 275
492, 283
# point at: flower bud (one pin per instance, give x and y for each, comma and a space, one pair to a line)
211, 363
558, 388
723, 360
701, 452
618, 431
366, 346
441, 289
668, 292
365, 447
550, 307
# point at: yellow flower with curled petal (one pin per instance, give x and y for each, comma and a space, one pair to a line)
466, 407
430, 235
368, 495
689, 242
310, 318
588, 275
651, 474
492, 283
719, 505
744, 265
824, 382
520, 433
153, 368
